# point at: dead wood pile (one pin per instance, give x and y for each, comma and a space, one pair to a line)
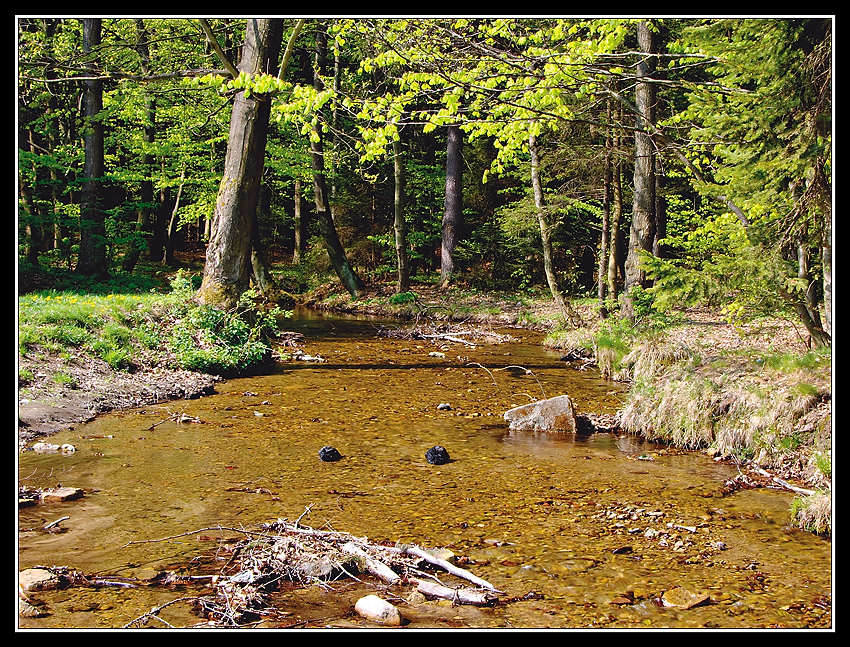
447, 333
284, 552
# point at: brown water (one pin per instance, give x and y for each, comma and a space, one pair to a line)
534, 513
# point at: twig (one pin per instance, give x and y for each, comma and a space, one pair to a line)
784, 484
55, 523
156, 610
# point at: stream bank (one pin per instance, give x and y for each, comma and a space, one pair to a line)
579, 531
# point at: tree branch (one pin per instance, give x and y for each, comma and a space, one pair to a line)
219, 52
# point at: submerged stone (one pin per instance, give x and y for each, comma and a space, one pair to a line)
378, 610
555, 414
681, 598
329, 454
437, 455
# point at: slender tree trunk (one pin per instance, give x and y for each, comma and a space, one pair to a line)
92, 256
660, 215
156, 248
260, 266
616, 216
145, 211
298, 246
642, 233
171, 232
453, 214
33, 230
227, 267
548, 265
826, 262
399, 224
349, 278
605, 236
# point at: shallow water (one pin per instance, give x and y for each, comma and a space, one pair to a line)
534, 513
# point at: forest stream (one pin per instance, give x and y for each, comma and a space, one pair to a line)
579, 531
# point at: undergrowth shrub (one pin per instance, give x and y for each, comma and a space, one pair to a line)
210, 340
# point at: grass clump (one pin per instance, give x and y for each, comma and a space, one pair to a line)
131, 330
813, 513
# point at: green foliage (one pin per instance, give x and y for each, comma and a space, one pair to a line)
403, 297
210, 340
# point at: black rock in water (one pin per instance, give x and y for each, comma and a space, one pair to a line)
437, 455
329, 454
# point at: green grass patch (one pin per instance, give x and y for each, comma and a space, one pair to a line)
118, 328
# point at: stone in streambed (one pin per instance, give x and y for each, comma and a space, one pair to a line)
437, 455
329, 454
552, 415
681, 598
37, 579
62, 494
378, 610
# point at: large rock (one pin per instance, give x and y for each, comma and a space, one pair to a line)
37, 579
62, 494
555, 414
378, 610
681, 598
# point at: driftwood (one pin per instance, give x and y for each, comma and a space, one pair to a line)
458, 596
783, 483
447, 333
288, 551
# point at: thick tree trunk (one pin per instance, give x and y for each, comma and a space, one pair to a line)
642, 232
92, 255
298, 243
453, 214
548, 265
227, 267
399, 224
349, 278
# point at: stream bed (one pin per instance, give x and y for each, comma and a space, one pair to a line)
577, 525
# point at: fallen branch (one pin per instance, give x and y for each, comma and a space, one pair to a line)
784, 484
446, 566
458, 596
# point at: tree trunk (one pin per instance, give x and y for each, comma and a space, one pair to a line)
605, 236
660, 216
92, 255
826, 262
453, 214
262, 275
548, 266
642, 232
349, 278
33, 230
144, 211
616, 216
227, 267
171, 232
399, 224
298, 245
